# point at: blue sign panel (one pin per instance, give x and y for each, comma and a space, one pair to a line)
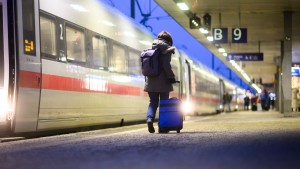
239, 35
295, 71
245, 56
220, 35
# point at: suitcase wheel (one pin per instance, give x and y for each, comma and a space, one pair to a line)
178, 131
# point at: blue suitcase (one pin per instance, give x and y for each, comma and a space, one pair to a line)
170, 116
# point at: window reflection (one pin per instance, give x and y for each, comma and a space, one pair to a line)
118, 59
48, 45
75, 45
99, 52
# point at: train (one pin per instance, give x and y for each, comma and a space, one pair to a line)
71, 64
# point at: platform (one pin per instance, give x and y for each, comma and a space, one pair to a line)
229, 141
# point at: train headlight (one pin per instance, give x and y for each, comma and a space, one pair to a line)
221, 106
187, 107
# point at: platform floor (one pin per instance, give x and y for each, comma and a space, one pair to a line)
238, 140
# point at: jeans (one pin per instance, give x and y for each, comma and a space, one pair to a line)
154, 102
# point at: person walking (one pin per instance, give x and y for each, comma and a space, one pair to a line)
264, 99
295, 100
246, 102
226, 101
298, 98
159, 87
253, 102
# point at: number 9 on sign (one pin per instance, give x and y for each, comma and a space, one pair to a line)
239, 35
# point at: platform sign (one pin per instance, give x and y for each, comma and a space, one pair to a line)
295, 71
220, 35
245, 56
239, 35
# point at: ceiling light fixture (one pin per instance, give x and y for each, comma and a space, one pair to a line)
210, 38
182, 5
203, 30
222, 50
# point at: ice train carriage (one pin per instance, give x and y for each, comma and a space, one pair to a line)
71, 63
204, 89
237, 94
74, 64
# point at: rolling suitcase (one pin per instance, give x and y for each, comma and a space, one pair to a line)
170, 115
254, 107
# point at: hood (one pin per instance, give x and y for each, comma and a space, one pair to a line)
163, 46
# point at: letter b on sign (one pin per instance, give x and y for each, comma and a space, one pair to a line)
220, 35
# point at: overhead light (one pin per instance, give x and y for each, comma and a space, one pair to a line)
256, 88
182, 6
246, 76
225, 54
222, 50
204, 31
210, 38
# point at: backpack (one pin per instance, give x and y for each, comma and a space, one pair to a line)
150, 62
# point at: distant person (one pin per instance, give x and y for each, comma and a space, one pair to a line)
272, 100
160, 86
264, 100
295, 99
226, 101
246, 102
258, 103
298, 98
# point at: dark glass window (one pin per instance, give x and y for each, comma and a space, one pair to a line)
100, 53
28, 27
48, 38
75, 45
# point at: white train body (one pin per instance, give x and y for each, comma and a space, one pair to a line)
73, 63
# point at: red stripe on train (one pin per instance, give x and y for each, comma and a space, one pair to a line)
29, 79
53, 82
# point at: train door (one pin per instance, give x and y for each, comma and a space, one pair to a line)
28, 66
222, 91
187, 81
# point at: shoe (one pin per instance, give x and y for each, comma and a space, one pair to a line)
150, 127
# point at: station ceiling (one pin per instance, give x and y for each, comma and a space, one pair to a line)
264, 20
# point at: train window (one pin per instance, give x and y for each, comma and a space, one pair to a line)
75, 45
118, 59
134, 63
48, 38
28, 27
100, 52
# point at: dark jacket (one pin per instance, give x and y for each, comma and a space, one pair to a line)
161, 82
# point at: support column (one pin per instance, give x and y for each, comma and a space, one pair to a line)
279, 91
286, 82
